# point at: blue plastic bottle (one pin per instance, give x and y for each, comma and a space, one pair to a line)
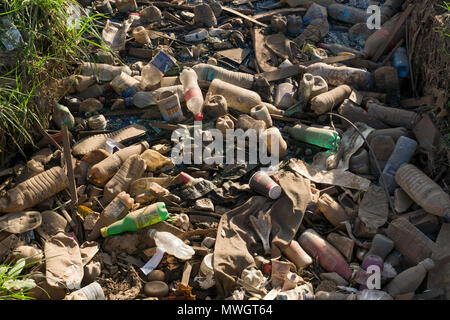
400, 62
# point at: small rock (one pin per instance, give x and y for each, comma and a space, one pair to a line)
90, 220
204, 204
156, 289
208, 242
156, 275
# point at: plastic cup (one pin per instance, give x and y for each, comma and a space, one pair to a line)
263, 184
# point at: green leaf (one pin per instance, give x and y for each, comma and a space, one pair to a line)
19, 285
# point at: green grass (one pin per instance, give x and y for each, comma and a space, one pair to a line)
51, 49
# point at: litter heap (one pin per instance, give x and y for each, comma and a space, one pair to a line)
352, 211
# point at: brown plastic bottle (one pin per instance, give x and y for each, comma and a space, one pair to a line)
79, 83
132, 169
326, 101
423, 190
101, 172
34, 190
357, 114
332, 210
410, 279
377, 39
393, 116
116, 210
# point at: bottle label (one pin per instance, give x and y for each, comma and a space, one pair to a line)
147, 218
129, 92
116, 210
163, 62
192, 93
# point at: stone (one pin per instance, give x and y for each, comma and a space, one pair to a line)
204, 204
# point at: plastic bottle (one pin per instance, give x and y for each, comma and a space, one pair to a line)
328, 100
94, 91
394, 117
305, 88
34, 190
267, 135
92, 291
410, 279
169, 106
63, 117
359, 162
132, 169
194, 187
141, 36
315, 11
379, 37
359, 33
314, 32
192, 93
196, 35
386, 80
78, 83
105, 169
124, 85
321, 137
171, 244
104, 72
347, 14
336, 76
423, 190
284, 95
357, 114
207, 72
150, 14
154, 71
403, 152
389, 8
204, 16
297, 255
323, 295
97, 122
373, 295
260, 112
328, 256
126, 5
400, 62
115, 210
381, 246
336, 48
115, 34
137, 219
143, 99
332, 210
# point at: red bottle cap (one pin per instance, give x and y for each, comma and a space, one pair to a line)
185, 177
199, 117
267, 269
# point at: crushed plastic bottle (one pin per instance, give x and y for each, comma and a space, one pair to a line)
154, 71
171, 244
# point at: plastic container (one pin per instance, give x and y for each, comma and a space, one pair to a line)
97, 122
101, 172
171, 244
260, 112
94, 91
104, 72
132, 169
137, 219
295, 253
389, 8
263, 184
125, 85
381, 246
169, 106
34, 190
423, 190
403, 152
305, 88
354, 113
63, 117
141, 36
410, 279
332, 210
328, 100
315, 11
114, 211
115, 34
400, 62
79, 83
359, 33
273, 133
379, 37
284, 95
194, 187
278, 23
328, 256
204, 15
321, 137
394, 117
92, 291
337, 76
192, 93
386, 80
150, 14
196, 35
207, 72
154, 71
143, 99
347, 14
126, 5
373, 295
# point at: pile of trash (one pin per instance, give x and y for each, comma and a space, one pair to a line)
344, 209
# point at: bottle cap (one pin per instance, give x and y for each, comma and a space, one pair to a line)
185, 177
162, 211
103, 232
199, 117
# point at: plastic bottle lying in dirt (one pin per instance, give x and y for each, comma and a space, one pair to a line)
132, 169
94, 91
403, 152
78, 83
104, 72
410, 279
154, 71
400, 62
34, 190
125, 85
267, 135
393, 116
207, 72
315, 11
328, 256
297, 255
115, 210
169, 106
423, 190
321, 137
140, 35
332, 210
105, 169
386, 80
328, 100
137, 219
355, 113
171, 244
389, 8
92, 291
347, 14
143, 99
192, 93
336, 76
195, 187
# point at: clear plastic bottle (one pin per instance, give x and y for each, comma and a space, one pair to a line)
326, 101
336, 76
423, 190
143, 99
104, 72
347, 14
192, 93
154, 71
196, 35
171, 244
63, 117
403, 152
400, 62
125, 85
207, 72
284, 96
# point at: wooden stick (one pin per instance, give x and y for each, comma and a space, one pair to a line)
400, 22
68, 158
243, 16
52, 141
265, 16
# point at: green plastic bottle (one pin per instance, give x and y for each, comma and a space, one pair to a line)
321, 137
138, 219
